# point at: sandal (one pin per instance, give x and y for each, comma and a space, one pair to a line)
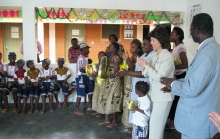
129, 131
64, 105
22, 113
98, 115
14, 110
78, 113
58, 105
42, 111
51, 110
102, 123
111, 126
30, 111
4, 110
95, 113
36, 111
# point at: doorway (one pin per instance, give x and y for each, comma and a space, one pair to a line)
13, 36
74, 31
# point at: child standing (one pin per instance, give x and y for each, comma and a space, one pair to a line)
141, 112
62, 75
20, 77
98, 90
92, 81
10, 69
84, 86
47, 85
112, 97
2, 81
34, 75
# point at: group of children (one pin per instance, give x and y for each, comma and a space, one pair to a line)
32, 83
106, 98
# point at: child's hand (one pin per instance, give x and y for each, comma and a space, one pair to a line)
94, 74
65, 81
134, 107
58, 85
47, 78
36, 84
82, 70
9, 85
24, 87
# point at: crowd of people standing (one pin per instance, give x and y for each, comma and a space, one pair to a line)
157, 82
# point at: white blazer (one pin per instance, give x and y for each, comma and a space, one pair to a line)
159, 66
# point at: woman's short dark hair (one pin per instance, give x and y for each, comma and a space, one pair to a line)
179, 32
203, 22
113, 35
161, 34
147, 38
116, 45
138, 43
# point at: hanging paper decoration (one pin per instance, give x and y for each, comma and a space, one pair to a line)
10, 13
94, 16
103, 17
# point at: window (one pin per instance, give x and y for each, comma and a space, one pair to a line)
110, 29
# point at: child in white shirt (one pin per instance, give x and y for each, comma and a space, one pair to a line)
141, 113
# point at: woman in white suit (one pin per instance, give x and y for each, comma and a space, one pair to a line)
161, 65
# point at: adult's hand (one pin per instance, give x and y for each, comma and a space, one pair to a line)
215, 118
167, 81
122, 73
166, 89
141, 62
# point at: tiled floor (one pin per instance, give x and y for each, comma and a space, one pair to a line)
62, 124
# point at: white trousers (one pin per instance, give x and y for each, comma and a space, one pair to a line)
158, 118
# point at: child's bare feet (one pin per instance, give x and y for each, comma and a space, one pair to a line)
30, 111
104, 122
89, 109
58, 105
23, 113
98, 115
77, 112
112, 124
64, 105
36, 111
95, 113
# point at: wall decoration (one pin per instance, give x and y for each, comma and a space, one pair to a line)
14, 35
195, 9
10, 13
128, 32
14, 29
95, 16
75, 32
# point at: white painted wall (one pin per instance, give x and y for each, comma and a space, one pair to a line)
157, 5
140, 32
210, 7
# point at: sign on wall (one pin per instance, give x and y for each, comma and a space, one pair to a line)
14, 32
128, 32
194, 10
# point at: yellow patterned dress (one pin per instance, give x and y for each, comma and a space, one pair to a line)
112, 97
99, 89
126, 97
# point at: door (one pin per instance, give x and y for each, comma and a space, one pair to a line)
13, 37
74, 31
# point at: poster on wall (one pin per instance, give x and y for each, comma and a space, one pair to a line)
128, 32
75, 32
194, 10
14, 32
